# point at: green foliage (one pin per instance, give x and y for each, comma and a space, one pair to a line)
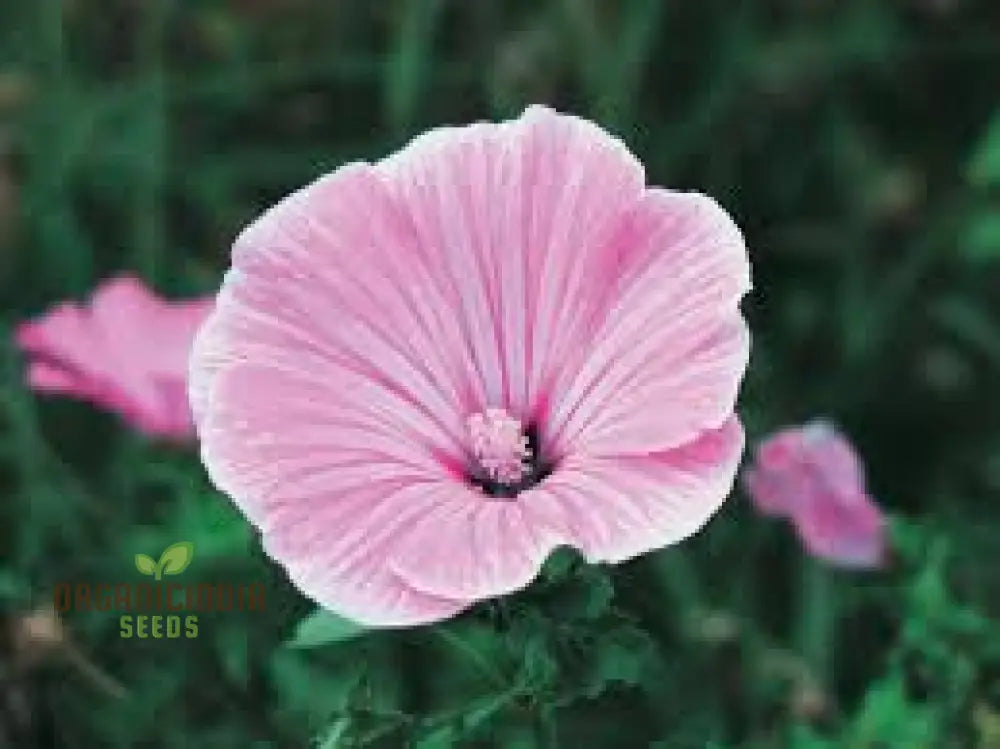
856, 143
984, 169
322, 628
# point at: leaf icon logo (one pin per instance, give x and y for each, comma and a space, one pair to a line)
174, 560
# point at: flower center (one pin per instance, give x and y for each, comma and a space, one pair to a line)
500, 446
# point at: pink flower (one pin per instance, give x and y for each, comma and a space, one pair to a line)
424, 374
812, 476
126, 351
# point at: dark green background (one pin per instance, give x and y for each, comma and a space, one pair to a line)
857, 144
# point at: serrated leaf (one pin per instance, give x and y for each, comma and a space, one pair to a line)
323, 627
176, 558
145, 564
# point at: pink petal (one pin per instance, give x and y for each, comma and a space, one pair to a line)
64, 335
612, 509
469, 546
667, 359
329, 274
280, 423
333, 488
615, 508
812, 475
513, 221
126, 351
824, 446
49, 378
159, 335
768, 492
339, 552
849, 531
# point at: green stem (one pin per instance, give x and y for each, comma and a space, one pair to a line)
817, 619
472, 655
149, 190
332, 738
675, 575
548, 730
45, 188
406, 76
101, 679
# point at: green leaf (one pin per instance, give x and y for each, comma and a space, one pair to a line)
312, 691
624, 652
981, 240
586, 595
887, 718
323, 627
176, 558
145, 564
560, 564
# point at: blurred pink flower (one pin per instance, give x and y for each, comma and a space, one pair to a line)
812, 476
424, 374
126, 351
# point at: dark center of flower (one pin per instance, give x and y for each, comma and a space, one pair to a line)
506, 454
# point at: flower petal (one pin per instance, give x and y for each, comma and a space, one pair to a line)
125, 351
512, 221
668, 358
331, 487
611, 509
849, 531
338, 551
614, 508
49, 378
470, 546
812, 475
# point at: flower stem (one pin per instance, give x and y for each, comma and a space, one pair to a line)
472, 655
101, 679
331, 739
548, 730
817, 619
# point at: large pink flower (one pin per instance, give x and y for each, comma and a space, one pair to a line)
127, 351
424, 374
812, 476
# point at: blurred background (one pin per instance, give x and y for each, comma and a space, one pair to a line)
858, 146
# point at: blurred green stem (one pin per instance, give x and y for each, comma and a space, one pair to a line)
51, 125
612, 63
149, 195
406, 75
678, 577
94, 673
548, 730
817, 618
472, 655
336, 732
